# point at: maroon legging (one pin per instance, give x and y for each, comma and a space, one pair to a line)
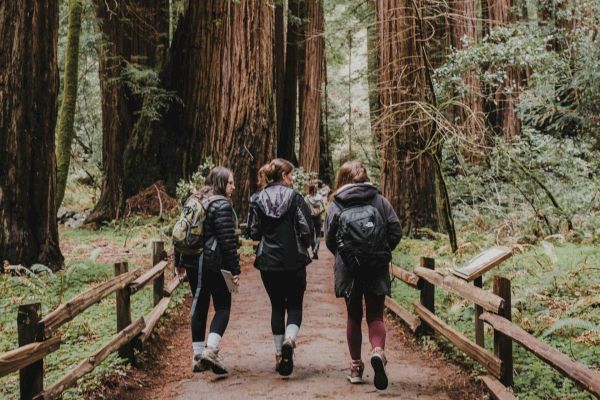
374, 305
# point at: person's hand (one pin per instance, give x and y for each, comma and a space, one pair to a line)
236, 279
180, 272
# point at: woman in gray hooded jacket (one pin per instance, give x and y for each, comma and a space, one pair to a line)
280, 220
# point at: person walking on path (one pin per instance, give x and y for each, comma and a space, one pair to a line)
219, 251
316, 204
280, 220
361, 231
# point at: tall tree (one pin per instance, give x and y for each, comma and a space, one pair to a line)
325, 161
221, 66
28, 111
66, 119
311, 87
279, 63
463, 27
286, 137
408, 169
134, 31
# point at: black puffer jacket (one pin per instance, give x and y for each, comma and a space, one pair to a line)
280, 219
378, 282
220, 240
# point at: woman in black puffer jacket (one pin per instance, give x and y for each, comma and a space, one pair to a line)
204, 271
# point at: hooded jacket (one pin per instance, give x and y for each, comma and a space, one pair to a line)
280, 220
378, 282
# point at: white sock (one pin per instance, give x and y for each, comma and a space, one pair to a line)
213, 340
278, 339
291, 331
198, 347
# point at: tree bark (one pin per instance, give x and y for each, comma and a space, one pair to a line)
134, 31
325, 161
470, 113
502, 114
286, 139
311, 88
28, 112
222, 69
408, 169
279, 64
65, 132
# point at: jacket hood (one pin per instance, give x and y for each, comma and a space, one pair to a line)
275, 200
356, 193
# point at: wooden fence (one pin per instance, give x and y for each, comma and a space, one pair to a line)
39, 336
493, 308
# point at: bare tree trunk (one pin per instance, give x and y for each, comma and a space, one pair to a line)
503, 116
226, 85
66, 119
28, 111
287, 135
279, 64
133, 30
408, 169
325, 162
470, 113
310, 117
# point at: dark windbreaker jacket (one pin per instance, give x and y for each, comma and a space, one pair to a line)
378, 282
280, 220
220, 240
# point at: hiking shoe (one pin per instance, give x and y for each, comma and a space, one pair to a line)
277, 362
378, 363
211, 359
197, 365
356, 372
315, 256
286, 366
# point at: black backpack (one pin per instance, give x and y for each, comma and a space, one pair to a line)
361, 238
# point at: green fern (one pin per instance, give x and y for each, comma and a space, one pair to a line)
572, 323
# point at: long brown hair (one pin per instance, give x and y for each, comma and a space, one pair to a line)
275, 170
351, 172
261, 179
217, 180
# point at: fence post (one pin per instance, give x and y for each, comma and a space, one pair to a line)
123, 311
502, 343
479, 337
31, 378
427, 293
158, 248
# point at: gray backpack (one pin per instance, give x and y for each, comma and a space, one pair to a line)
188, 232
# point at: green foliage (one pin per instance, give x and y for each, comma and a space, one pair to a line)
185, 187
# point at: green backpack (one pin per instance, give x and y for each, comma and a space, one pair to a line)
188, 231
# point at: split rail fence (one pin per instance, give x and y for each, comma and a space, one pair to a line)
493, 308
39, 336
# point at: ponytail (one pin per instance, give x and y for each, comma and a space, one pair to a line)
275, 169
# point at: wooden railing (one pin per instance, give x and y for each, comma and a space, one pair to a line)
39, 337
497, 306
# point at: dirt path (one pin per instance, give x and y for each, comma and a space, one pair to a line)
321, 360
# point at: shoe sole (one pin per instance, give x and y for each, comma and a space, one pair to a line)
217, 369
355, 380
286, 366
381, 379
199, 367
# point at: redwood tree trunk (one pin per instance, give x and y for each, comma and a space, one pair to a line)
502, 115
408, 170
28, 111
311, 88
222, 69
286, 138
470, 112
133, 30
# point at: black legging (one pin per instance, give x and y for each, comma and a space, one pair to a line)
212, 285
286, 291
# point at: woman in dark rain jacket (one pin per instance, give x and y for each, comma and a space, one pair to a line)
280, 220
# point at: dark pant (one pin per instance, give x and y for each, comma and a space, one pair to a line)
286, 292
374, 305
317, 239
212, 285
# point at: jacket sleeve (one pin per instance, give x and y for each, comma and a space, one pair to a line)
331, 227
304, 225
394, 229
224, 228
254, 228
